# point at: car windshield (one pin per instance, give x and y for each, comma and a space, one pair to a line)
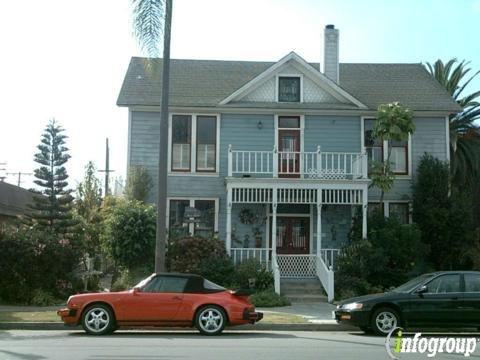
211, 286
412, 284
142, 283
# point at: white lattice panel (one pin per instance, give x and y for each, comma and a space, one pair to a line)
297, 266
314, 93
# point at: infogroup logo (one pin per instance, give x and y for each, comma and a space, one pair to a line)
397, 344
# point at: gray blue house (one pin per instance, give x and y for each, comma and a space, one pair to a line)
274, 155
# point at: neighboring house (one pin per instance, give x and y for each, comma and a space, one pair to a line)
14, 201
274, 155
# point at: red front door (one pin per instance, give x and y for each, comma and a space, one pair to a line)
293, 235
289, 153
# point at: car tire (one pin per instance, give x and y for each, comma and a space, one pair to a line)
384, 320
98, 319
210, 320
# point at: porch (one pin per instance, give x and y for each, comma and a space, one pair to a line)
291, 240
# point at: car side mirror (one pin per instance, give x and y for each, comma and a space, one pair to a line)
136, 290
421, 290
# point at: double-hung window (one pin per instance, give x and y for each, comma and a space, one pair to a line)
377, 150
181, 142
206, 143
194, 143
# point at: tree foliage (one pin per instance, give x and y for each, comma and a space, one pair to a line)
394, 122
52, 210
446, 221
139, 183
455, 77
130, 233
88, 209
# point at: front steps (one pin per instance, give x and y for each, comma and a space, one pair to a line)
302, 290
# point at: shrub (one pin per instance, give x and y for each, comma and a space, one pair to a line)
190, 254
392, 254
252, 269
130, 233
268, 298
43, 298
128, 278
220, 270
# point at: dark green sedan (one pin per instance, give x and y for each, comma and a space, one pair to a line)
441, 299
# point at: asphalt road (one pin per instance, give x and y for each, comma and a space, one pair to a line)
145, 345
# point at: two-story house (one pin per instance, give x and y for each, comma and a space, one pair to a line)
274, 155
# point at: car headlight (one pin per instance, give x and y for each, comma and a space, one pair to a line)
353, 306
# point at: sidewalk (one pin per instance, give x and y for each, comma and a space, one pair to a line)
315, 312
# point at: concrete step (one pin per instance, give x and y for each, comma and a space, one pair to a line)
303, 289
306, 298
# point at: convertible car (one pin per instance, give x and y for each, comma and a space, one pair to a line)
182, 300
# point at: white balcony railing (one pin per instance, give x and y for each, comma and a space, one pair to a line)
309, 165
239, 255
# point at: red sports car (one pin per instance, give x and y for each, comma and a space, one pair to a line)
162, 300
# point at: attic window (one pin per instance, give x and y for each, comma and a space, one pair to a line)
289, 89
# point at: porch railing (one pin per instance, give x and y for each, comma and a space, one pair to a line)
310, 165
329, 257
239, 255
326, 277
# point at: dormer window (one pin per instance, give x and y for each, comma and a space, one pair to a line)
289, 89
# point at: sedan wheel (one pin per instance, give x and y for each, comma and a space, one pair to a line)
385, 320
210, 320
98, 320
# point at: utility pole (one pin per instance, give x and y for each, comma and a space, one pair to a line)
19, 176
2, 177
107, 170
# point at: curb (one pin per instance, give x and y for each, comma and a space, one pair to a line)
257, 327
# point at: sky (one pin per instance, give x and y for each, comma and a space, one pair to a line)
66, 59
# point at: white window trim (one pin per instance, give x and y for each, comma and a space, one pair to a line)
386, 207
193, 147
407, 176
192, 204
277, 83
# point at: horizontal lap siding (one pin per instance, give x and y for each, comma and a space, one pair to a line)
332, 133
429, 137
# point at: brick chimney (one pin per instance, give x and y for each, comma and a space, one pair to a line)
330, 53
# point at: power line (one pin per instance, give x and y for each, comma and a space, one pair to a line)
19, 175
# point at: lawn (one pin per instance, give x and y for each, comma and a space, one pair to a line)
51, 316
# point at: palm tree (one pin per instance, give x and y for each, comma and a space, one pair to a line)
464, 133
148, 16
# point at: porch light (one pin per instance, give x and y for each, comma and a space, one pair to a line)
259, 125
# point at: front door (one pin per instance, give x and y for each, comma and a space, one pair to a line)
293, 235
289, 153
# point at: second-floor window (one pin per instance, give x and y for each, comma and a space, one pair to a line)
206, 143
193, 143
181, 142
377, 150
289, 89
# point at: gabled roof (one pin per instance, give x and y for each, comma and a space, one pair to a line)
315, 74
206, 83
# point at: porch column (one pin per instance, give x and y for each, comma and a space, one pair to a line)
228, 242
364, 212
319, 222
274, 223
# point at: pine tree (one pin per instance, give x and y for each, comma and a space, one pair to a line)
52, 210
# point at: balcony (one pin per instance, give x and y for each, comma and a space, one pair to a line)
297, 165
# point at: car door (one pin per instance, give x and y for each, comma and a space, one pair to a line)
159, 300
440, 304
471, 299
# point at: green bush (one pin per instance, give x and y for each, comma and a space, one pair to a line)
44, 298
190, 254
219, 270
268, 298
128, 278
392, 254
252, 269
130, 233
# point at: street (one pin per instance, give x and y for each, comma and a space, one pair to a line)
146, 345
